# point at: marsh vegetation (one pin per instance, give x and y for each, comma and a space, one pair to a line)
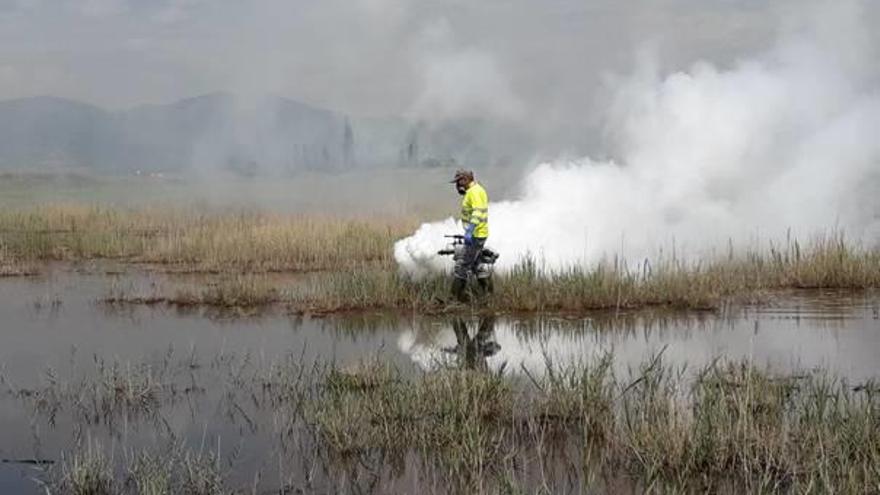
725, 427
135, 398
354, 269
197, 241
240, 423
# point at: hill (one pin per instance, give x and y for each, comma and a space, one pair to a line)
245, 136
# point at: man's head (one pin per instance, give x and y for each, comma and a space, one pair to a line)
462, 180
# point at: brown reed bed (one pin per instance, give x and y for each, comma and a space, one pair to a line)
827, 263
11, 266
831, 263
229, 291
360, 273
13, 269
199, 241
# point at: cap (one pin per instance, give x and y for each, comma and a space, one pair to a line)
462, 174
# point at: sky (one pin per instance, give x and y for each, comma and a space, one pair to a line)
545, 63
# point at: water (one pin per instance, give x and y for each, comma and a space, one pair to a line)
54, 325
833, 331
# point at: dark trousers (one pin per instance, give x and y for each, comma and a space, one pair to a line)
470, 257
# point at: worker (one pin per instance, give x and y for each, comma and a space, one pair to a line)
475, 219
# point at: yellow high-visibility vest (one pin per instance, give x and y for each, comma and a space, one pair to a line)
475, 209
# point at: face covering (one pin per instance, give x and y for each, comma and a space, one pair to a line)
461, 190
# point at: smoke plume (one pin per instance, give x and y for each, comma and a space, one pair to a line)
784, 143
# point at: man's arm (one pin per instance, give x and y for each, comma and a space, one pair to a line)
469, 233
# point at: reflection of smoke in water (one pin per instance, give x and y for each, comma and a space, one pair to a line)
783, 141
687, 340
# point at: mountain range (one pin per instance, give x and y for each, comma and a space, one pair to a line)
247, 136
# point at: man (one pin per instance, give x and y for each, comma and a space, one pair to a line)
475, 219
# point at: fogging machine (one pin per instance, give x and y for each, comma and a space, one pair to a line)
485, 260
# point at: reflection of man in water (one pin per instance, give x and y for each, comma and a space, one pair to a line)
472, 352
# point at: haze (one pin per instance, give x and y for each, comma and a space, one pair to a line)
537, 66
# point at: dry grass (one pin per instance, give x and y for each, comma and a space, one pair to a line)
225, 291
731, 426
14, 269
826, 263
361, 274
192, 240
88, 471
11, 266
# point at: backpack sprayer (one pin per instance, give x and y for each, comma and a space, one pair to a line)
485, 260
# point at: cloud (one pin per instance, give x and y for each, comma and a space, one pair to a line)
102, 8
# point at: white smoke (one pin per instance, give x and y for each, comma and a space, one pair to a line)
785, 142
460, 82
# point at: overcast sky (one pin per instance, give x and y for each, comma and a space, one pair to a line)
539, 60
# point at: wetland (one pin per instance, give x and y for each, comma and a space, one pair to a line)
151, 350
102, 397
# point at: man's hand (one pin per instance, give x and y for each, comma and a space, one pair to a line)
469, 234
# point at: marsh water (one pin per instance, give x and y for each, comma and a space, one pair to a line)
53, 328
